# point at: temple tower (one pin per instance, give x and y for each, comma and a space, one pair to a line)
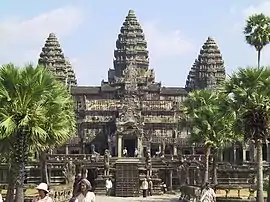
71, 77
208, 70
130, 46
52, 57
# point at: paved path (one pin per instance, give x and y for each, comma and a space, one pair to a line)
163, 198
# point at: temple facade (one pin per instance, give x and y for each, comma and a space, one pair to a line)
130, 109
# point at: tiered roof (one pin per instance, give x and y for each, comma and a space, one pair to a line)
52, 57
208, 70
130, 45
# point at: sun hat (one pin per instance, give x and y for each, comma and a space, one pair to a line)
43, 186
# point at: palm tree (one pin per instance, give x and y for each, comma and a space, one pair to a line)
250, 98
36, 112
257, 32
210, 124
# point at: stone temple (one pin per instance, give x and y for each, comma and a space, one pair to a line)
131, 112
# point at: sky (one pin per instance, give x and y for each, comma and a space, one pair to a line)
87, 31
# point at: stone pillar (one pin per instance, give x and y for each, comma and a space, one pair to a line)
170, 180
159, 147
268, 152
244, 154
140, 146
221, 159
175, 150
234, 154
67, 149
119, 146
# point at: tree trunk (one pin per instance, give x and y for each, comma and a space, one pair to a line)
214, 171
260, 197
44, 168
259, 58
206, 166
20, 185
21, 157
12, 176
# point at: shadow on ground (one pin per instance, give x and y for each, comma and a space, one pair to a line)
138, 199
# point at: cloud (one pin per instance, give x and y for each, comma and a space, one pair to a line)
261, 7
164, 42
21, 39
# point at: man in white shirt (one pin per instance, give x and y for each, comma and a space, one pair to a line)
108, 186
208, 194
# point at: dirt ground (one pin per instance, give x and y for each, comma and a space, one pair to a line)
163, 198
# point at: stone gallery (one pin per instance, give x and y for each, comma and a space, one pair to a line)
130, 127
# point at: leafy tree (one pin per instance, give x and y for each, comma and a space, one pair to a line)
210, 124
257, 32
250, 98
36, 112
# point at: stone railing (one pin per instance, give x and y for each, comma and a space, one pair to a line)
58, 194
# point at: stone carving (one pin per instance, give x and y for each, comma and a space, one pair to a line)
148, 164
183, 173
107, 157
208, 70
69, 172
94, 155
52, 57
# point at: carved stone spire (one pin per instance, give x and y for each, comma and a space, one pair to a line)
208, 70
71, 77
52, 57
130, 46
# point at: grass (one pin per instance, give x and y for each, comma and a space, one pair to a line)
234, 193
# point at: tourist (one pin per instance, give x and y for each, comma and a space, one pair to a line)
136, 152
108, 186
150, 187
208, 194
43, 193
1, 198
86, 195
145, 187
125, 152
164, 187
75, 185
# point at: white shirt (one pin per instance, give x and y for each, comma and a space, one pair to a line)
108, 184
1, 199
208, 195
90, 197
144, 185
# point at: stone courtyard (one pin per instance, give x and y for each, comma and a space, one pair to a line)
163, 198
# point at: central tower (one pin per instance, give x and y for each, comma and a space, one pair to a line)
131, 46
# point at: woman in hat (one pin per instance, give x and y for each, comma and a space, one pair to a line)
43, 193
86, 195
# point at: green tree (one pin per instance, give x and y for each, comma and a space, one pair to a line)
36, 112
257, 32
249, 94
210, 124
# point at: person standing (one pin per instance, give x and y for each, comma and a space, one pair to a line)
208, 194
108, 186
150, 186
145, 187
125, 152
1, 198
136, 152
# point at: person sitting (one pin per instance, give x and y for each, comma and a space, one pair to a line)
85, 193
